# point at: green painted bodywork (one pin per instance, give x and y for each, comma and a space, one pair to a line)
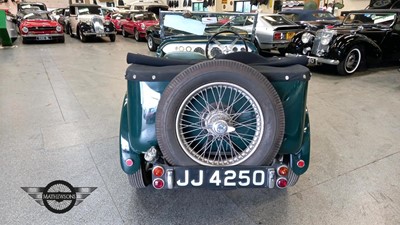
5, 38
141, 135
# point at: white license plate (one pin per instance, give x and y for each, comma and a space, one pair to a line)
43, 38
224, 177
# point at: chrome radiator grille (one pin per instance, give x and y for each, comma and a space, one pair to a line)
319, 49
42, 28
98, 24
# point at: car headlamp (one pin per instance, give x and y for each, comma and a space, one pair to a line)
306, 37
58, 28
143, 26
25, 29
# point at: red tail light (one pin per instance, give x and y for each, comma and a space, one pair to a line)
129, 162
283, 170
158, 171
158, 183
281, 182
301, 163
278, 36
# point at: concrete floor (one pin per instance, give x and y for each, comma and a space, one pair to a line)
60, 106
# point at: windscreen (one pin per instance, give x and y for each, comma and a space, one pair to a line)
367, 18
205, 23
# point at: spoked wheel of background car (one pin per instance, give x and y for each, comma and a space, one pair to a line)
217, 45
139, 179
112, 37
219, 113
124, 34
292, 178
150, 43
352, 61
81, 36
137, 35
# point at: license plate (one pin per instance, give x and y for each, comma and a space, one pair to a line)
289, 35
225, 177
100, 35
312, 61
43, 38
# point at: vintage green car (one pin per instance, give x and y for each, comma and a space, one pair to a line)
210, 112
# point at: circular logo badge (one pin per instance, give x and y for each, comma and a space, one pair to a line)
59, 196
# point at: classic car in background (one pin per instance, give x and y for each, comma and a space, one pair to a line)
137, 23
38, 26
315, 19
273, 32
237, 121
117, 18
365, 38
87, 20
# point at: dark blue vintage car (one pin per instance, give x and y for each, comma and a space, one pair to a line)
237, 121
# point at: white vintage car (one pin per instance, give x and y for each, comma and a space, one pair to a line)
87, 20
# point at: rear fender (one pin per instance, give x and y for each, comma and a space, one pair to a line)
125, 149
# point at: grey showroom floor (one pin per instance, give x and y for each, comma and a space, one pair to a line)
59, 119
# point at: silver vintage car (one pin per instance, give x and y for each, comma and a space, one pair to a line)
272, 31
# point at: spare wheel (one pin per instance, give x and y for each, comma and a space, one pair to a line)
220, 113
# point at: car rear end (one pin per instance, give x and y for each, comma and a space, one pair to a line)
275, 31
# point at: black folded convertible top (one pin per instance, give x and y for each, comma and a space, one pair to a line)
147, 68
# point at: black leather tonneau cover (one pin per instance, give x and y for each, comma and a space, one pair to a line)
147, 68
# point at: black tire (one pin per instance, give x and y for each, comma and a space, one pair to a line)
24, 41
352, 62
62, 40
138, 179
292, 178
112, 37
282, 51
124, 33
150, 43
258, 143
81, 36
66, 29
136, 35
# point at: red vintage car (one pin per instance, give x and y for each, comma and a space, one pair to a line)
136, 24
117, 18
38, 26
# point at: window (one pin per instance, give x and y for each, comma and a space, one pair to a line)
244, 6
198, 6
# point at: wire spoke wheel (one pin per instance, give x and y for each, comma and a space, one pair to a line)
219, 113
219, 124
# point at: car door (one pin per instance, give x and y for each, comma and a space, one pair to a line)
73, 18
129, 24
